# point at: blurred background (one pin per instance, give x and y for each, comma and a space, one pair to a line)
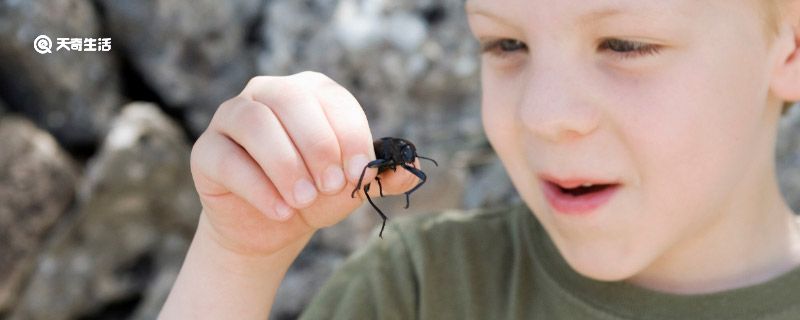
97, 205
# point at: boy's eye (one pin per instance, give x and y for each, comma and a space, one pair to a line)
629, 49
624, 49
502, 47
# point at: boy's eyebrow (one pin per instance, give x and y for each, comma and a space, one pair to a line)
472, 8
602, 13
638, 8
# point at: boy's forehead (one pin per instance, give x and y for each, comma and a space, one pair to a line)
589, 10
672, 15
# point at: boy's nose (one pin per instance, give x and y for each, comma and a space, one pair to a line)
557, 107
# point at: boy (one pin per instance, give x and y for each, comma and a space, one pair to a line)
640, 135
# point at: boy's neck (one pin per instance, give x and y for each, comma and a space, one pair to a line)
713, 262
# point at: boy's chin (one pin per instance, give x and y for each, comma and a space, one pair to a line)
606, 266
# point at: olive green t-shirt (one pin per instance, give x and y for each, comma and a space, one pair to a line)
500, 264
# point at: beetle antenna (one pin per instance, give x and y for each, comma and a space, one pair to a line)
426, 158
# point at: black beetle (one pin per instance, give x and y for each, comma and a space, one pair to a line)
390, 153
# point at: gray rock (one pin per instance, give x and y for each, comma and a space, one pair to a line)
37, 184
72, 94
194, 54
788, 157
136, 211
308, 273
490, 185
172, 249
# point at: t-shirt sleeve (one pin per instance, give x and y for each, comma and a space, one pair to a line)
377, 282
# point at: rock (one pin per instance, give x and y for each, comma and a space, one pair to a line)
490, 185
37, 184
194, 54
136, 212
169, 259
411, 65
308, 273
73, 94
788, 157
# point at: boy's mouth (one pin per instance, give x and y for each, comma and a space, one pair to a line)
576, 196
584, 189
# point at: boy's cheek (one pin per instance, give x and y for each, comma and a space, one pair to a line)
503, 131
497, 115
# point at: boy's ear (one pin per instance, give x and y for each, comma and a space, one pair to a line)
786, 79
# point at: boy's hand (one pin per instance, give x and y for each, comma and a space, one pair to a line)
280, 160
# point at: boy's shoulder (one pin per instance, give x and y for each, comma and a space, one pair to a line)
455, 235
455, 222
430, 266
459, 216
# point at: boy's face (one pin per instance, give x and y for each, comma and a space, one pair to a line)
666, 101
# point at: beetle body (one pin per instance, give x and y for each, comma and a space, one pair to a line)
395, 151
391, 153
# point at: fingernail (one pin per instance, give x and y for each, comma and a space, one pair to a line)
356, 165
282, 211
304, 191
332, 179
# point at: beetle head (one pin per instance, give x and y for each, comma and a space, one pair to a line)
407, 153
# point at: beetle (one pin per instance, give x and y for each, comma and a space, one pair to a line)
391, 153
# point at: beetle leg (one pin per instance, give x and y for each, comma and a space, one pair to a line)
383, 216
371, 164
380, 187
421, 175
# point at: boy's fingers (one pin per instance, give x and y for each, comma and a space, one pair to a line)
349, 123
303, 118
221, 166
257, 129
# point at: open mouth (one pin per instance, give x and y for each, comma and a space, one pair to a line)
583, 189
578, 197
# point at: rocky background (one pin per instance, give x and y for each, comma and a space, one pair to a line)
97, 206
